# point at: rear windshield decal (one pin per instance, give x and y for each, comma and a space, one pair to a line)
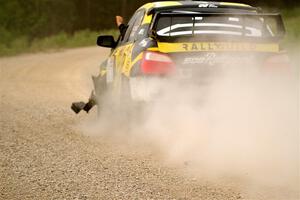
217, 46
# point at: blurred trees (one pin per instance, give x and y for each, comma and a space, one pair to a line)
41, 18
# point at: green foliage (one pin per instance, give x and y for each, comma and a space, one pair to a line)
42, 18
16, 46
33, 25
292, 19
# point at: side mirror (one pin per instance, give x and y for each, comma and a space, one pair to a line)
106, 41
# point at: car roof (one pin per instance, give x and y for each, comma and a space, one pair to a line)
162, 4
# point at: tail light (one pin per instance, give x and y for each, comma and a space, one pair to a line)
155, 63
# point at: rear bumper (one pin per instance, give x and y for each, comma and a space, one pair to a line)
153, 88
144, 88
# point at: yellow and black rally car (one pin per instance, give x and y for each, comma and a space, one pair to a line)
187, 38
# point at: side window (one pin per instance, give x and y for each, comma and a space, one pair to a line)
133, 26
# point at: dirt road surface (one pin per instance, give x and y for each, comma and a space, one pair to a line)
44, 156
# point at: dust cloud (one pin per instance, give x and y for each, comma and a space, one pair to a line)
243, 124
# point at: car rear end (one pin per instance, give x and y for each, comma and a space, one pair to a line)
194, 44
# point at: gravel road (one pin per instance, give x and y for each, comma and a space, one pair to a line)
45, 156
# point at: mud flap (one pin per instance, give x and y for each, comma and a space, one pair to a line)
79, 106
91, 103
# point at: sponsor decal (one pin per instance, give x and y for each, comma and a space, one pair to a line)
213, 59
217, 46
143, 43
141, 32
207, 5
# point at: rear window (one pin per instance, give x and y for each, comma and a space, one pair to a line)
213, 26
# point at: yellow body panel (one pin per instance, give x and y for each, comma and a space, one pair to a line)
127, 69
147, 6
147, 19
166, 3
217, 46
123, 59
122, 54
160, 4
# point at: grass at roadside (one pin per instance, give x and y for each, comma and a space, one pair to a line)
59, 41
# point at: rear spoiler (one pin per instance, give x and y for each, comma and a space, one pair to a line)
277, 16
196, 8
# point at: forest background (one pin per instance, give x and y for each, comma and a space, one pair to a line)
38, 25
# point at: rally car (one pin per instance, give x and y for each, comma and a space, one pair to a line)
188, 39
